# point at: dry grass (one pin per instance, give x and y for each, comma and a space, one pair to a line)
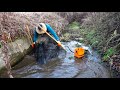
73, 16
14, 22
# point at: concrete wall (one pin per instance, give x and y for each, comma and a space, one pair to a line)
17, 50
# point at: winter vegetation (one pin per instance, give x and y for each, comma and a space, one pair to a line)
99, 30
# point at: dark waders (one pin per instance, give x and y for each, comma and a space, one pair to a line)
46, 50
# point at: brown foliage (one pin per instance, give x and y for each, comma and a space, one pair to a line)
73, 16
14, 22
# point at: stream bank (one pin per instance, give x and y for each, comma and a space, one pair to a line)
17, 50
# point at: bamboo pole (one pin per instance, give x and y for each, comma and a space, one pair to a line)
10, 40
28, 30
28, 36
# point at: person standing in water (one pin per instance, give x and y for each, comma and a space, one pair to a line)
46, 47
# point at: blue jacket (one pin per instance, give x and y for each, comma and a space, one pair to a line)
50, 30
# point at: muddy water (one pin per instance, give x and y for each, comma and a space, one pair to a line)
64, 66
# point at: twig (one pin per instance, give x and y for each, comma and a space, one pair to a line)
111, 63
28, 36
9, 37
111, 39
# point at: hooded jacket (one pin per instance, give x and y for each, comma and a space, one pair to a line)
49, 30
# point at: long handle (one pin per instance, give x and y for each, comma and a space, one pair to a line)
29, 32
52, 38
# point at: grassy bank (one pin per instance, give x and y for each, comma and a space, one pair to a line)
108, 47
104, 35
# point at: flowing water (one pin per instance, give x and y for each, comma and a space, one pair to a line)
64, 66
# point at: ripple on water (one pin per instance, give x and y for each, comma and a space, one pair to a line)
66, 66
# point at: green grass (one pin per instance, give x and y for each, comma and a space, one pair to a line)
74, 25
93, 38
81, 41
111, 51
90, 36
66, 36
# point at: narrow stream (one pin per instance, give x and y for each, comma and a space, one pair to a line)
64, 66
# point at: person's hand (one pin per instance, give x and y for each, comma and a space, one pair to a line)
59, 43
33, 45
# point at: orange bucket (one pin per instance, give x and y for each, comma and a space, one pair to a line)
79, 52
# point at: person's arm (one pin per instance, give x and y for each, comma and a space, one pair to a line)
35, 37
51, 31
